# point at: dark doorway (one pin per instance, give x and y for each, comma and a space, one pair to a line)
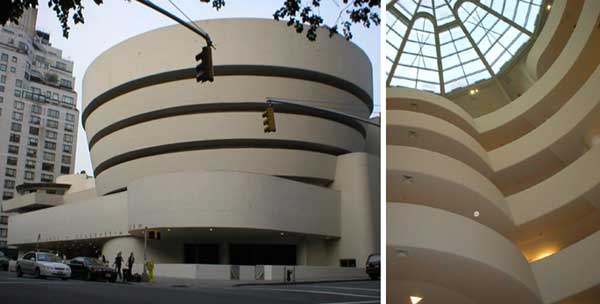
255, 254
201, 253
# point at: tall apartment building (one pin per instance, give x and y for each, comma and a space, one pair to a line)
38, 115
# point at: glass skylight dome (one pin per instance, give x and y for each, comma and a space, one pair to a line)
444, 45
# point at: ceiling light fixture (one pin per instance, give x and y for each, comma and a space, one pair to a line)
415, 300
476, 213
549, 6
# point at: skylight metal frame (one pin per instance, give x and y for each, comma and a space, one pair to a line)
482, 20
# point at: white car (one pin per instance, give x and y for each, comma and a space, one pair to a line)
42, 265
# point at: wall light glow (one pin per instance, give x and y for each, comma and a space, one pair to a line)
415, 300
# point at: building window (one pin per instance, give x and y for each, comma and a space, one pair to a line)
15, 127
65, 170
3, 233
53, 113
66, 159
13, 69
10, 172
16, 138
48, 167
31, 153
33, 142
68, 99
1, 89
51, 134
348, 263
30, 164
29, 175
69, 127
47, 178
61, 65
19, 83
13, 149
37, 109
66, 83
2, 78
4, 220
70, 117
34, 131
52, 124
49, 156
7, 195
17, 93
4, 57
68, 138
2, 67
11, 160
18, 116
34, 120
14, 59
9, 184
49, 145
67, 148
19, 105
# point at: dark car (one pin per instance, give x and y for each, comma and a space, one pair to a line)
3, 261
374, 266
91, 269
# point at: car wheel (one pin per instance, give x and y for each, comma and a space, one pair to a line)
19, 272
37, 274
64, 279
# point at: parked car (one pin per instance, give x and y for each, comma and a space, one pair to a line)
42, 265
374, 266
91, 269
3, 261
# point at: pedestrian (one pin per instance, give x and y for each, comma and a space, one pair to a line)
104, 261
117, 264
130, 262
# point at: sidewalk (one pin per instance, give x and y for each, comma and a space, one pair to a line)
165, 282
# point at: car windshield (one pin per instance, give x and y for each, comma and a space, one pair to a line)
93, 261
374, 258
46, 257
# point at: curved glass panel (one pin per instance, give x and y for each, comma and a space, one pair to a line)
444, 45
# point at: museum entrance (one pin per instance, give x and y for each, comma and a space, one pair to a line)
201, 253
262, 254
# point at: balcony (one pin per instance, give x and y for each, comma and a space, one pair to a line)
32, 201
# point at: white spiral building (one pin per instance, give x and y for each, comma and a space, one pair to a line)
192, 161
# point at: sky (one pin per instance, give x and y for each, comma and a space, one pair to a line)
117, 20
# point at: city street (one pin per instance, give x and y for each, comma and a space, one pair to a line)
31, 290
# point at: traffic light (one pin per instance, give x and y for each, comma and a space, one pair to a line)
269, 119
204, 69
154, 235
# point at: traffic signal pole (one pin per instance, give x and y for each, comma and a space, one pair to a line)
192, 28
271, 101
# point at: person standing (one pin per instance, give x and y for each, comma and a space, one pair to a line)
128, 274
130, 262
118, 263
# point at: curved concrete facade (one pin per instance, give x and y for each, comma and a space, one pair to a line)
532, 161
131, 107
191, 161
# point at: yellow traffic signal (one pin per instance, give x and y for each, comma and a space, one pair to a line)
269, 119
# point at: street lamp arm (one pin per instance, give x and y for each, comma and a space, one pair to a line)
196, 30
281, 101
